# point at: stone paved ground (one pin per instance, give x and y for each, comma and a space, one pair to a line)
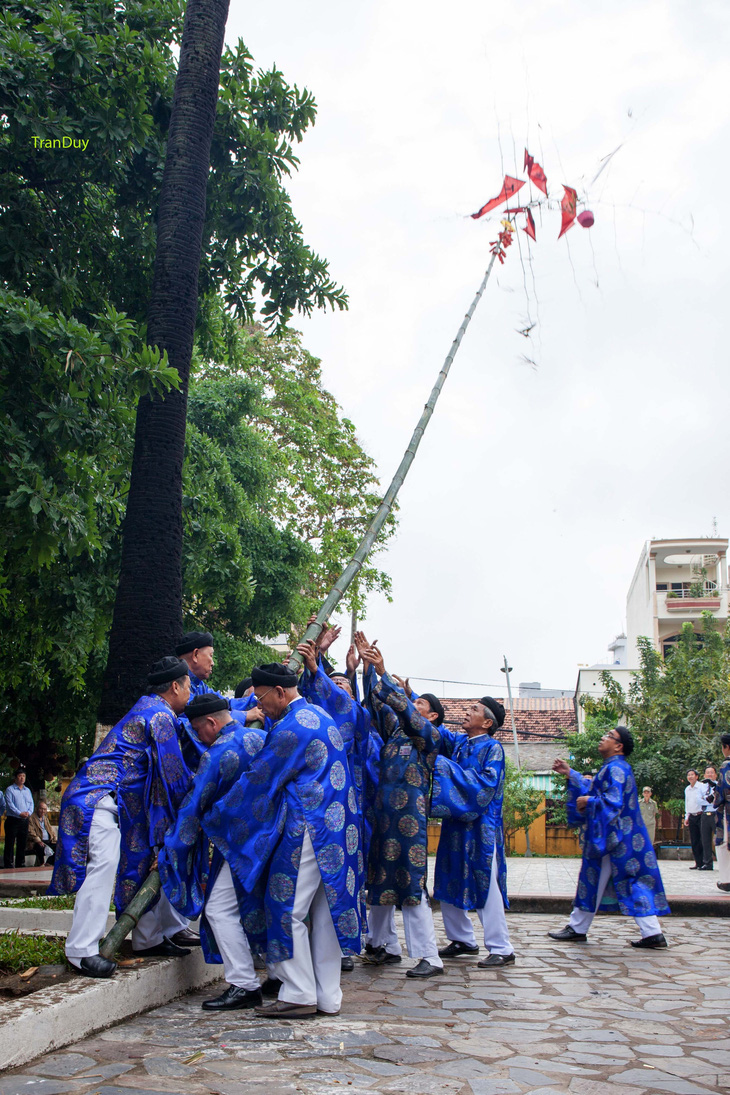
558, 877
592, 1019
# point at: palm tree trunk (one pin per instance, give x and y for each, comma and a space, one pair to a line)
148, 610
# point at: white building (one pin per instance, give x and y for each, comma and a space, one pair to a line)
674, 581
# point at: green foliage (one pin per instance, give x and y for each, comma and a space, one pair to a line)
21, 952
78, 227
522, 801
324, 488
676, 710
61, 901
77, 243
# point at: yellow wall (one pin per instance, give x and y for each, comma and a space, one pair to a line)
544, 839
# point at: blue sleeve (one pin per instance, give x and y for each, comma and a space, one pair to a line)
603, 807
319, 689
576, 786
464, 793
437, 738
168, 777
383, 716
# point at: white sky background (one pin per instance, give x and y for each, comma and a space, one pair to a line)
525, 510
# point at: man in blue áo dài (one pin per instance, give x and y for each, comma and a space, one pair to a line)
292, 818
137, 777
617, 851
468, 793
192, 885
196, 650
399, 847
333, 692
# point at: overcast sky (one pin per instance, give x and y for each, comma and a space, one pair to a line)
538, 480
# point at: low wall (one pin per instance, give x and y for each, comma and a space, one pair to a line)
77, 1008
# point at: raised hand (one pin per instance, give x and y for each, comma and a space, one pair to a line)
561, 767
373, 655
405, 684
308, 652
352, 659
328, 637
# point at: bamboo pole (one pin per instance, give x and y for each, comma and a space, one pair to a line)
131, 915
151, 885
353, 567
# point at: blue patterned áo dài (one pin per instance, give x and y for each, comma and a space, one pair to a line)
300, 779
398, 846
185, 871
467, 793
140, 762
361, 739
614, 827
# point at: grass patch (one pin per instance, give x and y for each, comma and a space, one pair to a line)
62, 901
20, 952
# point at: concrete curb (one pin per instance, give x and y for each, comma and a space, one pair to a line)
563, 903
73, 1011
53, 921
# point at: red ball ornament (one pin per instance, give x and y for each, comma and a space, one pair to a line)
586, 219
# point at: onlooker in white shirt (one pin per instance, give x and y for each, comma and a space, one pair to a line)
693, 799
19, 806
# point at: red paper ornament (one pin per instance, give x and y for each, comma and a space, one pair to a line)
586, 219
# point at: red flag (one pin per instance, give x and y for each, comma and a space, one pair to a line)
530, 226
568, 207
535, 173
510, 187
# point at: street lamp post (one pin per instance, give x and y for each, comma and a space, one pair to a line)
507, 669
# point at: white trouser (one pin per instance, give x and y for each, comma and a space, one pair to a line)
157, 924
312, 974
581, 919
458, 925
382, 933
417, 926
723, 853
91, 907
224, 917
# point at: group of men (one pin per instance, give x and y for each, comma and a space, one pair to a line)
28, 830
293, 821
704, 816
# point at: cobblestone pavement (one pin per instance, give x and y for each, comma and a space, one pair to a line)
559, 877
582, 1019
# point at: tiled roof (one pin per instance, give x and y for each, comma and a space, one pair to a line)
536, 719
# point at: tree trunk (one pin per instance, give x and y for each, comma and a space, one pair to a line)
148, 609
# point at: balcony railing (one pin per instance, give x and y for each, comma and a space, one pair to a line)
709, 589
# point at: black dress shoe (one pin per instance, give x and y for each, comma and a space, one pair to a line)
706, 867
271, 986
424, 969
186, 938
650, 942
233, 999
494, 961
568, 935
165, 949
96, 966
456, 948
696, 867
724, 886
347, 964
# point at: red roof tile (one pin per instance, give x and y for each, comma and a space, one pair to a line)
535, 719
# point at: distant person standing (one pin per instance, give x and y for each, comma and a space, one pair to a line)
722, 817
648, 809
693, 798
708, 785
19, 806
